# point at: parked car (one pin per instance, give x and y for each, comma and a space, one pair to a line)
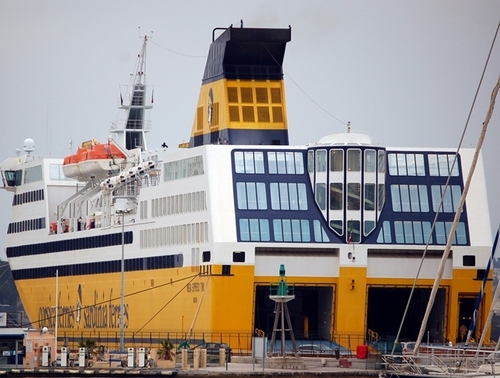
213, 348
315, 350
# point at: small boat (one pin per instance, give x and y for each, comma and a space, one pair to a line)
94, 160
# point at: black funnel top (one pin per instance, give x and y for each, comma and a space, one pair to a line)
247, 53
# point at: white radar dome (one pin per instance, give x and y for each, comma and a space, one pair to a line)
29, 145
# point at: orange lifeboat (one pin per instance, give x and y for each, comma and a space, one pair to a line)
94, 160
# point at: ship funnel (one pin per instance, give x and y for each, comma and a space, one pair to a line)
242, 97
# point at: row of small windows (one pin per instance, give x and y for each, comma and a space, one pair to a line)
174, 235
413, 164
278, 162
33, 174
27, 197
416, 232
284, 196
283, 230
184, 168
90, 242
178, 204
317, 160
354, 198
131, 265
26, 225
414, 198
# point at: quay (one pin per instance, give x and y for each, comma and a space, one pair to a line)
239, 367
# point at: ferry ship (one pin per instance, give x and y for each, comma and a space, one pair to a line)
194, 236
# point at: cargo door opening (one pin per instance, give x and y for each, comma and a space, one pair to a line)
386, 306
466, 306
310, 312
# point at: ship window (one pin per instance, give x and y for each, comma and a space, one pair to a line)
33, 174
226, 270
401, 161
381, 161
319, 233
280, 159
310, 161
290, 162
353, 196
369, 196
320, 195
336, 225
299, 163
370, 161
321, 160
239, 256
292, 191
284, 200
369, 226
287, 230
249, 166
336, 196
353, 160
451, 198
469, 260
336, 160
353, 231
302, 196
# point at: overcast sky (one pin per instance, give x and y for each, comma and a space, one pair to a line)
405, 72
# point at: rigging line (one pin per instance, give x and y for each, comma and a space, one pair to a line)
304, 92
161, 309
117, 298
441, 205
175, 52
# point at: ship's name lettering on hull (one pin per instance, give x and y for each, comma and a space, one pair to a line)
195, 286
65, 315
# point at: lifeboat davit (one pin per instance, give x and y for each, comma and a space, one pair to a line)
94, 160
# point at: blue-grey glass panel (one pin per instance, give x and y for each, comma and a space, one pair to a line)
239, 165
249, 165
271, 162
254, 230
369, 226
261, 196
353, 160
460, 234
381, 161
296, 234
284, 196
318, 235
424, 199
287, 230
369, 197
326, 239
417, 232
402, 165
414, 200
353, 196
370, 161
448, 230
380, 237
387, 232
396, 200
419, 159
280, 158
244, 230
443, 165
320, 195
302, 196
336, 196
264, 230
410, 164
278, 232
275, 196
320, 160
336, 160
436, 197
408, 229
433, 165
427, 232
259, 162
299, 163
447, 201
241, 195
310, 161
456, 193
381, 196
337, 226
290, 163
353, 231
453, 167
440, 233
294, 201
306, 231
251, 196
393, 165
398, 231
